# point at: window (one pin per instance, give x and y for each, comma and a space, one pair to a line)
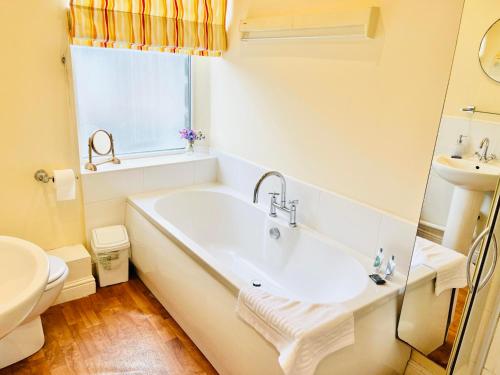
142, 98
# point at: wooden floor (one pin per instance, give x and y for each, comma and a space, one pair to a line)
122, 329
442, 354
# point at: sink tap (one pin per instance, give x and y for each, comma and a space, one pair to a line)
282, 205
482, 153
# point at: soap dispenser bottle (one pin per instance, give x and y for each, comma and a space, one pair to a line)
379, 258
459, 149
390, 268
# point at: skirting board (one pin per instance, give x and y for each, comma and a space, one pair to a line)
430, 233
77, 289
421, 365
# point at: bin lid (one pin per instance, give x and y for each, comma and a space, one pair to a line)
107, 239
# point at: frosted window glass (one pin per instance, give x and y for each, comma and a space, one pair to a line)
142, 98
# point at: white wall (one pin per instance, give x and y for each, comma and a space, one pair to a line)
358, 118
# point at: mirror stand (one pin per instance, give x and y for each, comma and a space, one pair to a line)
101, 142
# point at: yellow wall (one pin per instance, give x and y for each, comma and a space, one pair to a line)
37, 129
357, 118
468, 83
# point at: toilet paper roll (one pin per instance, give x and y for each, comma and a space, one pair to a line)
65, 183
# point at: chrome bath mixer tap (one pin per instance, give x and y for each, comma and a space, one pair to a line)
282, 205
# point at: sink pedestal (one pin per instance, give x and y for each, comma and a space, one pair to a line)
462, 219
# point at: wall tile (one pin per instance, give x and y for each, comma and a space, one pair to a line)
450, 129
227, 170
205, 171
104, 213
242, 176
105, 193
483, 129
397, 238
349, 222
112, 185
356, 225
308, 196
168, 176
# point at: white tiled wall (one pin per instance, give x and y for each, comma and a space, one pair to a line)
105, 193
438, 194
359, 226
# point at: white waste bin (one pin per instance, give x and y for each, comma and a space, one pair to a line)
111, 248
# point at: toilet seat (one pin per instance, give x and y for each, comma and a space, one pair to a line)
57, 269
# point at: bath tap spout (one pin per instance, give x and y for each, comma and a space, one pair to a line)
292, 210
261, 180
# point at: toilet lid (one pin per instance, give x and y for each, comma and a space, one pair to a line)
57, 267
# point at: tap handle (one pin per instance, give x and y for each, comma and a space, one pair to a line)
273, 198
294, 202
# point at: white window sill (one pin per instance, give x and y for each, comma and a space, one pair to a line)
144, 162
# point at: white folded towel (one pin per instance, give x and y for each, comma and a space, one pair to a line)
303, 333
449, 264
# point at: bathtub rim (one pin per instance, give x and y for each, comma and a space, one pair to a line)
144, 204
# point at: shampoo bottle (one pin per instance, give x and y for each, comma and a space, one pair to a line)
377, 264
391, 267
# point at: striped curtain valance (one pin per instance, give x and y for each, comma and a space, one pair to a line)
194, 27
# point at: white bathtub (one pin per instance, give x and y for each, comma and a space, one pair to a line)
196, 247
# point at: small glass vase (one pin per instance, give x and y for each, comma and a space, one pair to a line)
190, 147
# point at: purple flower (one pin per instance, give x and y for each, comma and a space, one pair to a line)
191, 135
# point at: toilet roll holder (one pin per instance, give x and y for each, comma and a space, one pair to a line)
42, 176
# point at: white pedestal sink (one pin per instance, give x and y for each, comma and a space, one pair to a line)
24, 270
473, 181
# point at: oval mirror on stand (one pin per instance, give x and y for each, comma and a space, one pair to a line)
101, 142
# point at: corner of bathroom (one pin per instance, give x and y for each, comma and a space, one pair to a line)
250, 187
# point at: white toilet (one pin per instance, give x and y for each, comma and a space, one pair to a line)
28, 337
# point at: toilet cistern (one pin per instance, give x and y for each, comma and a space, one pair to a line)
291, 210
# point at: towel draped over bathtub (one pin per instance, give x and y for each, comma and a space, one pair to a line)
450, 265
303, 333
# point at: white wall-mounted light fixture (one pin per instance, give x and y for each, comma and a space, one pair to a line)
352, 24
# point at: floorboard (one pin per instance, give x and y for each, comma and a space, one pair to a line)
122, 329
442, 354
